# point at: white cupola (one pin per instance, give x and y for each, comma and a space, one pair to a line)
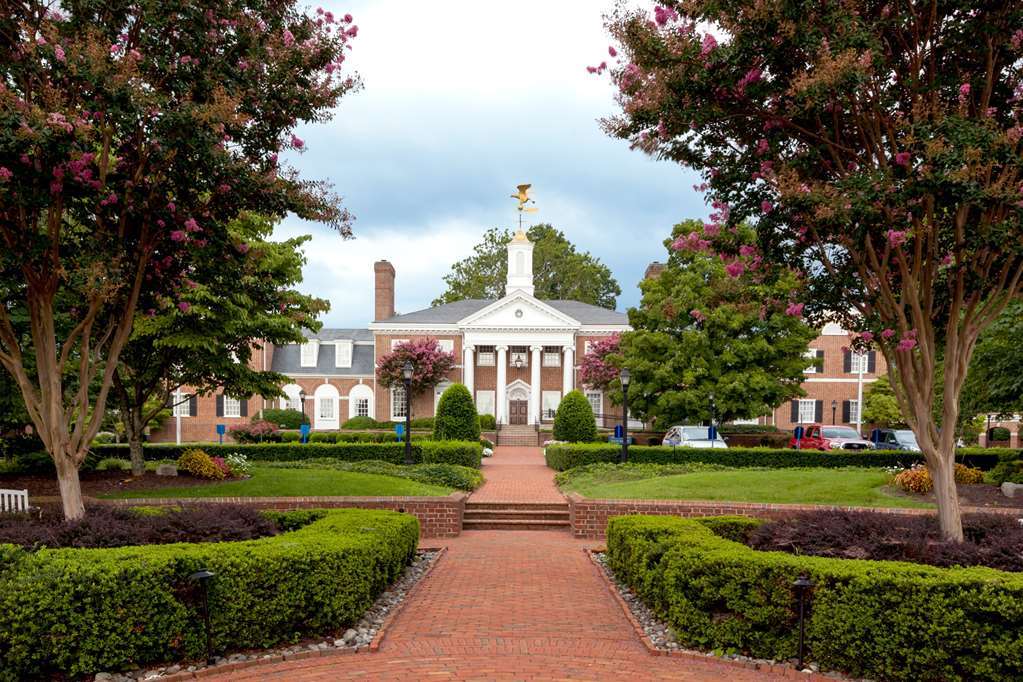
520, 265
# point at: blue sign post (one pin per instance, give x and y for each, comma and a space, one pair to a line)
619, 432
221, 430
399, 430
304, 432
712, 434
799, 436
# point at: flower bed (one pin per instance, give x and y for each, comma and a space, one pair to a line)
877, 619
79, 611
568, 455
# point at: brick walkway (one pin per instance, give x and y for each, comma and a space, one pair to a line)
509, 605
517, 475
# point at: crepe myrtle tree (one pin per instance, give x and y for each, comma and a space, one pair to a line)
877, 146
430, 365
133, 132
714, 337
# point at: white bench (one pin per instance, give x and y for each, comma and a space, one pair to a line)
13, 500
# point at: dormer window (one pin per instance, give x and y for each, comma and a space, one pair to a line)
343, 350
309, 350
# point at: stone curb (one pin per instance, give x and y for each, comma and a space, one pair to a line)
777, 668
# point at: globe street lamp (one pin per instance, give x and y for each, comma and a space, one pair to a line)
625, 378
834, 407
406, 373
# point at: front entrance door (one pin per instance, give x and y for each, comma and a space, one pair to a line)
518, 411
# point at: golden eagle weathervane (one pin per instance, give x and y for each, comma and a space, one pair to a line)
522, 195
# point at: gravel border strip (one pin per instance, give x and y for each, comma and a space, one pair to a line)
363, 637
659, 641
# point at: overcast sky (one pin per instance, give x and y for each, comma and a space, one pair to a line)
463, 101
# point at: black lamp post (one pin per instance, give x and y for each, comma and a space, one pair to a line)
406, 373
802, 585
834, 407
625, 378
203, 578
713, 414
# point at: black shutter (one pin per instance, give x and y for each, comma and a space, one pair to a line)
845, 411
795, 411
819, 364
193, 405
872, 361
819, 411
847, 361
220, 405
244, 408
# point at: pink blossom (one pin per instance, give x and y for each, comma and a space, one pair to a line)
297, 142
40, 41
896, 238
735, 268
794, 309
177, 236
907, 344
662, 15
243, 248
691, 242
697, 315
708, 45
964, 93
902, 159
115, 48
170, 206
329, 16
58, 53
867, 336
348, 18
711, 229
612, 51
747, 250
5, 174
191, 225
289, 39
766, 206
887, 334
184, 306
762, 146
947, 259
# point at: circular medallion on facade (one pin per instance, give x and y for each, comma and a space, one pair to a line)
518, 313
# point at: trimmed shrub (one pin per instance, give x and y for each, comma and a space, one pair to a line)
999, 433
113, 464
917, 479
290, 436
456, 415
917, 622
425, 451
1009, 468
201, 465
256, 432
449, 475
285, 419
574, 421
80, 611
357, 423
423, 422
488, 422
726, 429
562, 456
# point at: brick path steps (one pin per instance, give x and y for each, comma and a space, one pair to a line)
515, 516
518, 435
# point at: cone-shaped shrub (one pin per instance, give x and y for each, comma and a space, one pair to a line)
574, 420
456, 416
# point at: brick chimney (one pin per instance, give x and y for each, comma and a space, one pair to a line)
384, 296
653, 270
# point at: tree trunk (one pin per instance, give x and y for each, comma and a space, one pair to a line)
138, 462
70, 486
942, 468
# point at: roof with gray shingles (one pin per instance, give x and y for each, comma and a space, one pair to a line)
450, 313
287, 359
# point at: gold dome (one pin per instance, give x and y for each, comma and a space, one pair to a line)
520, 236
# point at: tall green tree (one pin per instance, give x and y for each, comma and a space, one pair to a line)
559, 271
995, 381
131, 133
877, 147
206, 340
880, 405
712, 338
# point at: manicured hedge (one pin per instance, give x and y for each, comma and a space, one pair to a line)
81, 611
566, 456
881, 620
456, 418
573, 420
425, 452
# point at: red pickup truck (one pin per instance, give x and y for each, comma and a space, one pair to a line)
822, 437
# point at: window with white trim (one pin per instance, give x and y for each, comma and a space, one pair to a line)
858, 363
328, 408
396, 342
486, 356
343, 354
446, 345
551, 357
586, 347
485, 401
854, 411
309, 349
397, 402
294, 403
232, 407
596, 399
807, 411
814, 365
181, 404
362, 407
550, 401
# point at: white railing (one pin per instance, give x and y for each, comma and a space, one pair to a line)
13, 500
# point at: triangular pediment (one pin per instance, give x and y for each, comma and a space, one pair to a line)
519, 310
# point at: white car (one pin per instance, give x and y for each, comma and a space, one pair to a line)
845, 438
692, 437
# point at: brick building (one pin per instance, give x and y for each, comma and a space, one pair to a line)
518, 355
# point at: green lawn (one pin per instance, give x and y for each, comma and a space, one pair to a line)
846, 487
273, 482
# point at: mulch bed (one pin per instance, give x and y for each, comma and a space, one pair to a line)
96, 483
992, 540
977, 495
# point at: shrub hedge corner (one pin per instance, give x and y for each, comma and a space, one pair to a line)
882, 620
81, 611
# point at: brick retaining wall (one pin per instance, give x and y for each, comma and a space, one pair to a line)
588, 518
439, 517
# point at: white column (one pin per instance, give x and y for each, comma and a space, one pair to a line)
502, 384
568, 370
468, 370
534, 384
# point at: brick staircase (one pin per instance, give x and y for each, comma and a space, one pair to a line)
515, 516
517, 434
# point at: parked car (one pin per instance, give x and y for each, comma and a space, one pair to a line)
692, 437
819, 437
895, 439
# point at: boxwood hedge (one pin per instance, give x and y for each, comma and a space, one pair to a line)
568, 455
882, 620
423, 452
80, 611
